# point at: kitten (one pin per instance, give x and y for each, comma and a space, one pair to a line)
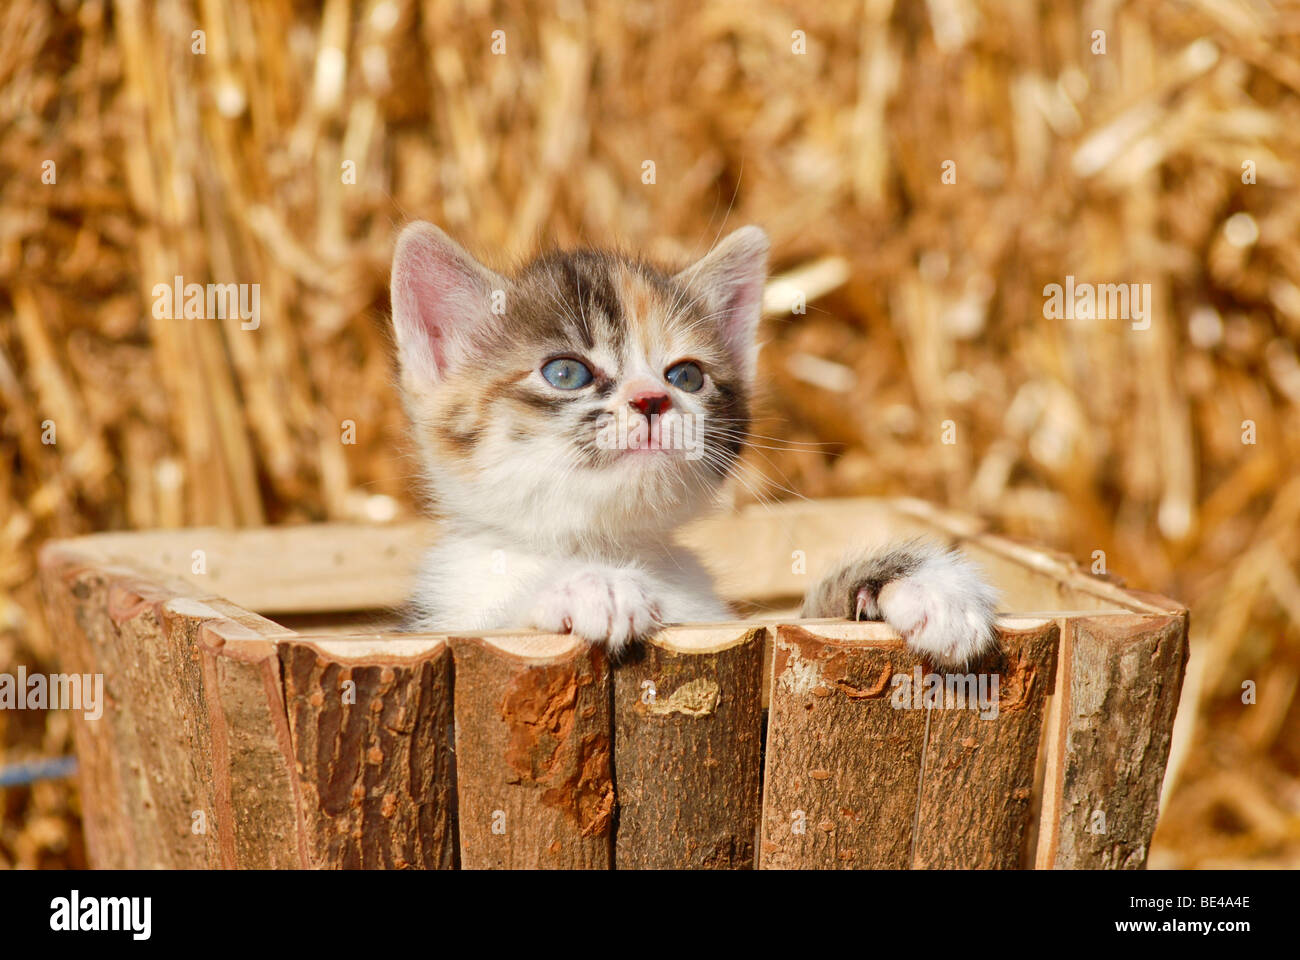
572, 415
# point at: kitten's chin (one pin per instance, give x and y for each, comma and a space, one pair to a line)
654, 473
649, 458
630, 496
643, 493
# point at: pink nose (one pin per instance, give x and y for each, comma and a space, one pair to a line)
650, 402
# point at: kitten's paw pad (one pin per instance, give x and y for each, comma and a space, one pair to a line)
944, 609
602, 606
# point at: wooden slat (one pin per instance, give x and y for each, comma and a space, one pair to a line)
688, 726
1118, 690
76, 602
843, 765
878, 779
1031, 577
533, 766
752, 552
256, 798
292, 569
188, 765
336, 567
977, 780
371, 726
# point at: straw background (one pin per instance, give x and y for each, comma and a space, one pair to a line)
1126, 166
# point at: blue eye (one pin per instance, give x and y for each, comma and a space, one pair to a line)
685, 376
565, 373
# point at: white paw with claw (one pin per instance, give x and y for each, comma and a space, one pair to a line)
944, 609
601, 605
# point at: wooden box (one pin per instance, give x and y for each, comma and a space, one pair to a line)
261, 713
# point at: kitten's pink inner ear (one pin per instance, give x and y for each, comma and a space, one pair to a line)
440, 294
729, 283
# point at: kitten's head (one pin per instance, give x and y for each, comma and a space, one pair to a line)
586, 395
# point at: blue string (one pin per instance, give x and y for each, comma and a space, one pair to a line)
21, 774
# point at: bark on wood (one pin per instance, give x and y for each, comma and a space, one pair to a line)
256, 796
842, 764
372, 736
196, 731
1119, 689
76, 601
688, 726
974, 806
188, 765
533, 742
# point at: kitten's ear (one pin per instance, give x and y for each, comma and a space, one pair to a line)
440, 294
729, 282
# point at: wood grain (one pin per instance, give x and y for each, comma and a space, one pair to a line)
372, 735
533, 753
842, 766
1119, 694
189, 764
688, 729
974, 806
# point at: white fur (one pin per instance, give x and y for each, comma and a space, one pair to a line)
470, 581
944, 608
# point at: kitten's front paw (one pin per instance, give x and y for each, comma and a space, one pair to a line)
935, 598
944, 611
601, 605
